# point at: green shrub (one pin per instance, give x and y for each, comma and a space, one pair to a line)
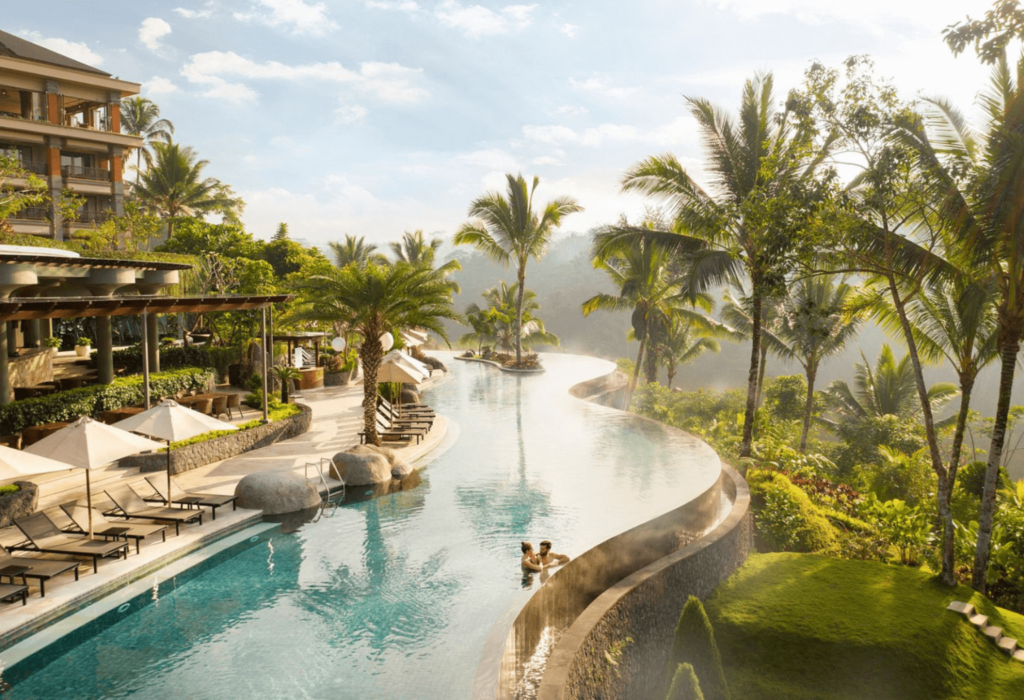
93, 400
685, 685
903, 526
860, 440
695, 645
785, 517
8, 489
255, 399
277, 413
908, 477
83, 341
971, 477
52, 342
171, 357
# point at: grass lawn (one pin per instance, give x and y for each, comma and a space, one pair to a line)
806, 626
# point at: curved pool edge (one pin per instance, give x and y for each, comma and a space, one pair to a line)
649, 600
510, 370
571, 591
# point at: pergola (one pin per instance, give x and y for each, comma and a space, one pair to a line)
41, 308
294, 339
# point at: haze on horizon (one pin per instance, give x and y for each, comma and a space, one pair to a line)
379, 116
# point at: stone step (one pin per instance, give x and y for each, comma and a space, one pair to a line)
1007, 644
962, 608
993, 633
980, 621
1019, 655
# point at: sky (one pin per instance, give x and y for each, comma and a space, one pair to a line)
374, 117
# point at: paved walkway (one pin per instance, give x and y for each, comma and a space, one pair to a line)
336, 422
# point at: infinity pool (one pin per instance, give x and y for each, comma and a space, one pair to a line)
395, 597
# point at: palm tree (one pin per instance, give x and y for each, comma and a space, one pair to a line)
281, 234
483, 322
415, 249
141, 117
814, 325
356, 250
376, 299
736, 312
502, 308
760, 158
642, 269
285, 374
889, 388
507, 230
682, 343
174, 186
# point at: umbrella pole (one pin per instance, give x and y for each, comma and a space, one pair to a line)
88, 498
145, 360
168, 473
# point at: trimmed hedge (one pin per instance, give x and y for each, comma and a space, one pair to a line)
170, 358
695, 645
685, 685
93, 400
808, 529
273, 414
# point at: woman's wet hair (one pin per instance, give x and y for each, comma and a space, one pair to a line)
526, 547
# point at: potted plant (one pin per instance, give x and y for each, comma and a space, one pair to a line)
82, 347
53, 343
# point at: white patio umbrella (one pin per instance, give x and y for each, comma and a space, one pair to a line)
408, 362
88, 444
172, 422
393, 369
15, 464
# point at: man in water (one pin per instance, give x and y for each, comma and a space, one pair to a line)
529, 562
548, 558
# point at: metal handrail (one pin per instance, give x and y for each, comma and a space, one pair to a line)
83, 173
32, 214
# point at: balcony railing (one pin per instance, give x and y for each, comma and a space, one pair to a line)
38, 167
32, 214
80, 172
90, 218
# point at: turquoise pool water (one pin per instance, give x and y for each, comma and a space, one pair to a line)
395, 597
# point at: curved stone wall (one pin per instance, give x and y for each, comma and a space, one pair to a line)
190, 457
644, 607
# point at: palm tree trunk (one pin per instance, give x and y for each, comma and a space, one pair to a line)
812, 373
636, 373
671, 369
519, 313
967, 380
943, 495
371, 352
760, 375
755, 361
1009, 346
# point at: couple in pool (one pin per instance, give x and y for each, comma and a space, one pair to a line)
544, 558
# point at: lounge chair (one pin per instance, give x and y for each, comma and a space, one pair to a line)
102, 527
397, 434
131, 505
212, 501
411, 421
30, 567
10, 591
43, 536
405, 410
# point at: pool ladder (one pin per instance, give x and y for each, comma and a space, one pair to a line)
319, 466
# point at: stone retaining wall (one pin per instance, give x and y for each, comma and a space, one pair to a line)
30, 368
190, 457
645, 607
15, 505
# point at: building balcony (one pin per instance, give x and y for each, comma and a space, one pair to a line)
89, 219
80, 172
36, 167
32, 214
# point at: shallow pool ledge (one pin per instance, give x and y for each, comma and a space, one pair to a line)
644, 607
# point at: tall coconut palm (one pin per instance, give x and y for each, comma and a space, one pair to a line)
814, 325
140, 116
356, 250
376, 299
736, 312
503, 301
761, 157
649, 287
681, 343
507, 230
888, 388
415, 249
174, 186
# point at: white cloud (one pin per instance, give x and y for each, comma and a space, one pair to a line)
159, 86
674, 133
193, 14
350, 114
571, 110
569, 30
478, 21
72, 49
546, 160
294, 14
405, 6
390, 82
602, 86
152, 30
492, 159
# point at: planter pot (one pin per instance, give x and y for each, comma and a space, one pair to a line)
83, 350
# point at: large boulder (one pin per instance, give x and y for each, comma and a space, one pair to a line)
277, 492
361, 468
410, 396
386, 452
400, 469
